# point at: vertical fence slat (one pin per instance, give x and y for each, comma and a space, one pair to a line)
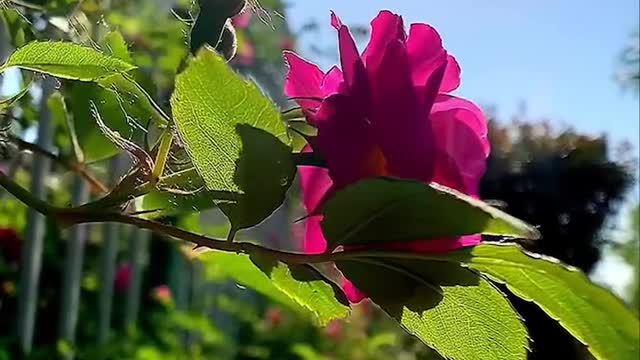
31, 261
72, 275
138, 256
179, 278
109, 253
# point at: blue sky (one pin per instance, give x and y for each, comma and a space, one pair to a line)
560, 57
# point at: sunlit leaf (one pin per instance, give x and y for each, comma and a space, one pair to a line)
7, 102
66, 60
124, 106
451, 309
590, 313
234, 136
300, 287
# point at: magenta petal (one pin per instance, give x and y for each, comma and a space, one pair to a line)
303, 81
344, 139
476, 120
335, 21
353, 293
460, 139
385, 28
451, 79
315, 184
398, 119
314, 242
332, 81
426, 53
352, 66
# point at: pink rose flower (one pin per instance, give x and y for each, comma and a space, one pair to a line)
388, 112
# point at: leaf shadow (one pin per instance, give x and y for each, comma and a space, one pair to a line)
264, 172
397, 285
303, 273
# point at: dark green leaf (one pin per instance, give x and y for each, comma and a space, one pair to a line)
300, 287
451, 309
116, 111
19, 31
235, 138
384, 209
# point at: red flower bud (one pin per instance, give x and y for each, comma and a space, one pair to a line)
10, 245
123, 278
273, 317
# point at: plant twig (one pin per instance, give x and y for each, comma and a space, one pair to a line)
77, 216
78, 168
80, 216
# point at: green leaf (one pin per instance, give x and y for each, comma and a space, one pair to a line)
234, 136
18, 30
7, 102
590, 313
124, 105
116, 46
65, 137
451, 309
300, 287
66, 60
122, 111
180, 193
384, 209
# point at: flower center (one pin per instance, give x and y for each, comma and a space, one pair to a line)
376, 163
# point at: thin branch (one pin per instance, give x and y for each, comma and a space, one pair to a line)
25, 196
201, 241
70, 217
75, 216
78, 168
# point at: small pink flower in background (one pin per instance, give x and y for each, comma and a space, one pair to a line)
10, 245
388, 112
334, 330
246, 52
287, 43
123, 278
242, 20
162, 294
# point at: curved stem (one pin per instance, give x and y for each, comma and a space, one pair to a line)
25, 196
96, 184
80, 216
